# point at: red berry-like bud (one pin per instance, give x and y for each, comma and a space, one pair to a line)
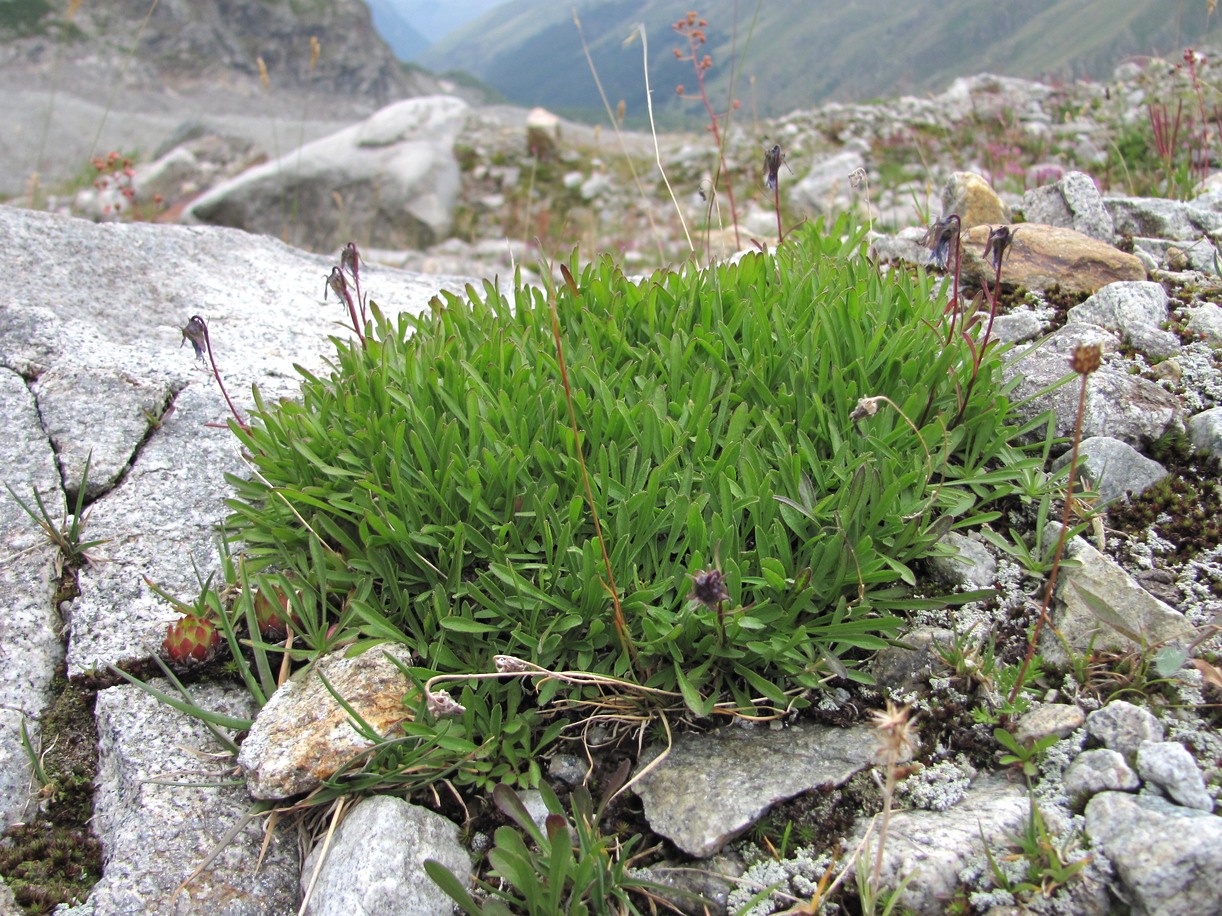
273, 616
191, 641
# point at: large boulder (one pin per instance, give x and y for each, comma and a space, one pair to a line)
390, 181
1042, 256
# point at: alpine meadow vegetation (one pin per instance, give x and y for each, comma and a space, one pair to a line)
757, 454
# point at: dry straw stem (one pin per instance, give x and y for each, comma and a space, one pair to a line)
653, 129
619, 135
621, 624
897, 743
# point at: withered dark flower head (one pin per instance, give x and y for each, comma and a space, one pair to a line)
709, 587
998, 245
337, 283
196, 332
866, 407
1086, 358
350, 260
772, 167
938, 239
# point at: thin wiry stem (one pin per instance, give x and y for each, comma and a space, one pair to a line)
1060, 549
621, 624
619, 135
640, 30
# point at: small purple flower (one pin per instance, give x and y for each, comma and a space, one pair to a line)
998, 244
196, 332
350, 261
338, 284
772, 167
938, 240
709, 587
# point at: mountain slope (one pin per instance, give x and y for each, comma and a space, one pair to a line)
405, 41
805, 52
435, 19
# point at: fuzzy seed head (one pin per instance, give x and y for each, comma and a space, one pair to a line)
896, 731
508, 664
1086, 358
443, 706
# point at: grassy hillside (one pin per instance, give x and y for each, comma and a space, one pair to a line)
801, 53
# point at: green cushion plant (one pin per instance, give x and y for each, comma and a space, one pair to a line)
770, 445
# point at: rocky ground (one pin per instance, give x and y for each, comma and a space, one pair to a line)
1130, 763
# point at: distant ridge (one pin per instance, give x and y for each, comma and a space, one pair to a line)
405, 41
803, 53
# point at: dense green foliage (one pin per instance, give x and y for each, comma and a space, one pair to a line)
427, 491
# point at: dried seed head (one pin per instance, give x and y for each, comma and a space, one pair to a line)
866, 407
1086, 358
896, 732
508, 664
709, 587
443, 706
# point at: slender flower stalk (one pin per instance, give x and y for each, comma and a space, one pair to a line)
337, 282
350, 261
772, 181
196, 331
691, 27
995, 249
897, 742
1085, 361
939, 239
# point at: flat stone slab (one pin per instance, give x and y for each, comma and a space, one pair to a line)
710, 788
30, 645
167, 799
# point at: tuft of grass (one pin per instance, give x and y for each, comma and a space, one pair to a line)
67, 534
754, 419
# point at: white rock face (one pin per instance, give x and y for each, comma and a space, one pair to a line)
375, 864
95, 316
390, 181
